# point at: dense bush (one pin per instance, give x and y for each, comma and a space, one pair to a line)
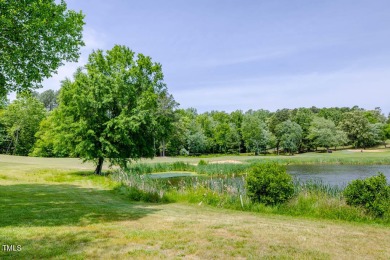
269, 183
373, 194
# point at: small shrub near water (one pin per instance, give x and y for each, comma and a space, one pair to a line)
202, 162
269, 183
373, 194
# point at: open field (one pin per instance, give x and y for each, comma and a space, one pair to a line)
369, 156
53, 208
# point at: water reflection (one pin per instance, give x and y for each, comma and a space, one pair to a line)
336, 175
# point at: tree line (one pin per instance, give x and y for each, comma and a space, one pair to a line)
33, 125
284, 131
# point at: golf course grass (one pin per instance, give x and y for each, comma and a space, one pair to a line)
56, 208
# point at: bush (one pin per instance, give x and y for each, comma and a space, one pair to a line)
373, 194
202, 162
269, 183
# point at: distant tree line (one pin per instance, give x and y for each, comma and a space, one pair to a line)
284, 131
30, 125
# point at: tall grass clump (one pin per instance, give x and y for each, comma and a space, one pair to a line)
139, 187
143, 168
222, 169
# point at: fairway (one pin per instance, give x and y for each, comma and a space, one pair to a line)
67, 212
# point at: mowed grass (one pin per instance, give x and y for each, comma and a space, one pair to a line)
348, 156
59, 210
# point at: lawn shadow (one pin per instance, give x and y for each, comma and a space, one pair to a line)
55, 205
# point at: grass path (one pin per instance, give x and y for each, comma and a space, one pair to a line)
66, 213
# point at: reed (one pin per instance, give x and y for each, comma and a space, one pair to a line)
313, 199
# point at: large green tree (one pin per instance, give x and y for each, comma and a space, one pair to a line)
21, 121
357, 127
289, 136
196, 141
323, 133
36, 37
110, 108
49, 142
255, 133
303, 117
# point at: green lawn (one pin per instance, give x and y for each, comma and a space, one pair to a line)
54, 208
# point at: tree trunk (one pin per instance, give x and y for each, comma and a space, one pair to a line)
163, 147
99, 166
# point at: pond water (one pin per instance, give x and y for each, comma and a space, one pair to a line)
171, 175
336, 175
333, 175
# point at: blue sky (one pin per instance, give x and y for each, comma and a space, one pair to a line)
228, 55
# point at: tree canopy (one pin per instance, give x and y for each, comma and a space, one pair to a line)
21, 121
36, 37
110, 109
323, 133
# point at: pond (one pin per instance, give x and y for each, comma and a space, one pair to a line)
171, 175
336, 175
333, 175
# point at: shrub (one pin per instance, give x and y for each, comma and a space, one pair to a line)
202, 162
269, 183
373, 194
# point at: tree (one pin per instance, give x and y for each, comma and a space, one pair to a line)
304, 117
289, 135
374, 135
21, 120
375, 116
255, 134
3, 134
36, 37
49, 139
278, 117
220, 130
357, 127
334, 114
165, 118
385, 133
49, 99
195, 139
323, 133
208, 124
110, 107
177, 139
236, 118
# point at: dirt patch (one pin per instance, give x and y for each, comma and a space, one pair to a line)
365, 151
226, 161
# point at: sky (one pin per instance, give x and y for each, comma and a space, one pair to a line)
230, 54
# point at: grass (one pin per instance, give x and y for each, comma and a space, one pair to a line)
56, 209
